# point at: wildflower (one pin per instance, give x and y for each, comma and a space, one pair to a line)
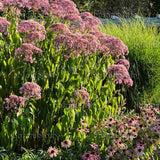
111, 150
1, 5
61, 8
139, 151
83, 96
13, 102
83, 123
121, 74
93, 145
59, 28
37, 4
91, 23
73, 18
117, 47
27, 50
86, 130
31, 89
79, 129
33, 30
90, 155
66, 143
3, 25
52, 151
122, 61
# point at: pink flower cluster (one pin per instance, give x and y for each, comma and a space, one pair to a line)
90, 155
33, 30
123, 62
83, 96
59, 28
73, 42
1, 5
27, 50
13, 101
117, 47
90, 22
31, 89
78, 43
30, 4
61, 8
37, 4
138, 130
121, 74
3, 25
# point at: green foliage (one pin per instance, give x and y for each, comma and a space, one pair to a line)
144, 57
123, 8
52, 119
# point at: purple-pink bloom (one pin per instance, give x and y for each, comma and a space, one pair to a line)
1, 5
83, 96
73, 18
117, 47
33, 30
37, 4
27, 50
94, 145
121, 74
3, 25
59, 28
30, 89
90, 155
14, 101
122, 61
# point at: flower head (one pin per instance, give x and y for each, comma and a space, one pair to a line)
52, 151
27, 50
31, 89
66, 143
33, 30
14, 101
121, 74
3, 25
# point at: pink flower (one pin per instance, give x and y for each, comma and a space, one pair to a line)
122, 61
59, 28
111, 150
117, 47
31, 89
37, 4
73, 43
93, 145
61, 8
139, 151
66, 143
73, 18
3, 25
121, 74
83, 96
1, 5
52, 151
27, 50
14, 101
90, 155
33, 30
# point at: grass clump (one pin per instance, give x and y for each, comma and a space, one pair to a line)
144, 56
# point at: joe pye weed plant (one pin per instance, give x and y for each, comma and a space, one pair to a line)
59, 75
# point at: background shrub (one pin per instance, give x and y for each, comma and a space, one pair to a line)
123, 8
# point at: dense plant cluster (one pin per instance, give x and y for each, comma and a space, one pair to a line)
70, 106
